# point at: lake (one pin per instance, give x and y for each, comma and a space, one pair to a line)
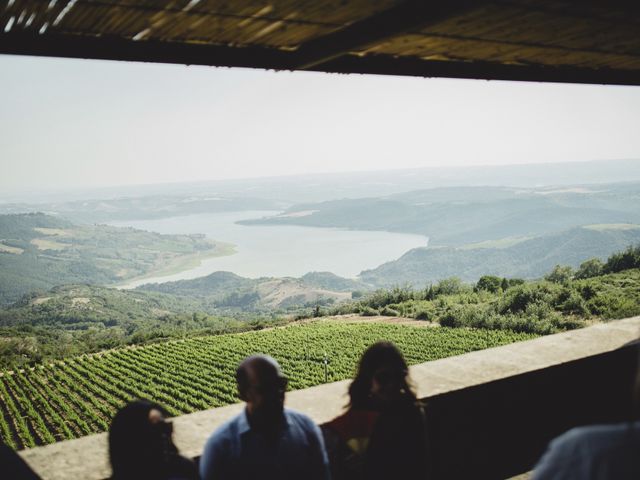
280, 251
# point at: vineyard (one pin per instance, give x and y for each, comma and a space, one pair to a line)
79, 396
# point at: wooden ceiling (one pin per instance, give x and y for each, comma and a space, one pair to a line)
585, 41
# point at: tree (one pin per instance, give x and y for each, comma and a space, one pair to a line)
591, 268
626, 260
429, 293
560, 274
450, 286
490, 283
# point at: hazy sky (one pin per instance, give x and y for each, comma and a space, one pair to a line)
68, 123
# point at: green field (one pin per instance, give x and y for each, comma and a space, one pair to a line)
79, 396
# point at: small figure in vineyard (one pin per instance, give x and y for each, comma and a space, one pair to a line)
266, 440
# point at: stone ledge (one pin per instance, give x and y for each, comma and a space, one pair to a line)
86, 458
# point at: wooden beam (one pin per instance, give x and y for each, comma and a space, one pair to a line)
480, 70
117, 48
75, 46
405, 17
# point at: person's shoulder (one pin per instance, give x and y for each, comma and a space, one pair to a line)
225, 432
299, 418
574, 453
595, 437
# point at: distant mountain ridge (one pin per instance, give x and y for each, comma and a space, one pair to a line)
454, 216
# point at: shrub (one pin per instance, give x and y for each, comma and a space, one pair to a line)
591, 268
609, 306
368, 311
517, 299
626, 260
491, 283
450, 286
390, 312
381, 298
425, 311
560, 274
573, 303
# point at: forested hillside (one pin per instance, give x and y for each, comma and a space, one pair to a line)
456, 216
38, 252
517, 258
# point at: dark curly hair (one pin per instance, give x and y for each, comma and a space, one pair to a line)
137, 447
380, 355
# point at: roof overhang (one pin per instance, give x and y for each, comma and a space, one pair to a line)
545, 41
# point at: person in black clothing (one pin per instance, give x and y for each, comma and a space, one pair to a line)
383, 432
13, 466
141, 445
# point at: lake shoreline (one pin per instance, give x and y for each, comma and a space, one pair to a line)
180, 264
276, 251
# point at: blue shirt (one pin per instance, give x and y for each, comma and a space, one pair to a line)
595, 452
234, 451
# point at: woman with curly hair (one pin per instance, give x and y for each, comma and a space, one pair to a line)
383, 432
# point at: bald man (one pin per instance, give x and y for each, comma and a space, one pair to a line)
266, 440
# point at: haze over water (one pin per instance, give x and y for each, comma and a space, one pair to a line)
280, 251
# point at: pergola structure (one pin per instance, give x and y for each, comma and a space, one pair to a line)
496, 409
578, 41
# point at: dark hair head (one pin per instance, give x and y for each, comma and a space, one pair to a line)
378, 357
138, 446
265, 368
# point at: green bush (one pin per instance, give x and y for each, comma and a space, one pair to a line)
560, 274
591, 268
517, 299
425, 311
490, 283
390, 312
609, 306
450, 286
626, 260
574, 304
368, 312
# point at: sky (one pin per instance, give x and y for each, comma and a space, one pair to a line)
82, 123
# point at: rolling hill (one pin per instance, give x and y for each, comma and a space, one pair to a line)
529, 259
38, 252
456, 216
